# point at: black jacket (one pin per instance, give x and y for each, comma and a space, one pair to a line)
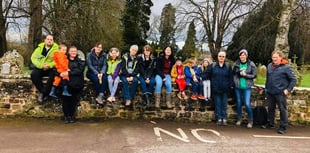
125, 68
147, 71
76, 73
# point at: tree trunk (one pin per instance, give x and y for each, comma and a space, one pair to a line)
3, 45
281, 42
36, 22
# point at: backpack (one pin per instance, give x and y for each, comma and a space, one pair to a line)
260, 115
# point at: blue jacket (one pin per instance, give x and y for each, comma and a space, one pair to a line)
221, 77
280, 78
96, 64
189, 75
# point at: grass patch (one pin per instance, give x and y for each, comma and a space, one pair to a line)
305, 82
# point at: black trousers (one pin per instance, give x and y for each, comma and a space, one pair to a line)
69, 104
36, 78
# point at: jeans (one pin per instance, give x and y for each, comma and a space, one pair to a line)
280, 100
244, 95
36, 78
99, 88
196, 87
147, 87
129, 89
206, 88
113, 84
220, 100
159, 83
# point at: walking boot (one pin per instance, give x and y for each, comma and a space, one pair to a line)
202, 106
52, 93
168, 100
65, 91
157, 100
146, 99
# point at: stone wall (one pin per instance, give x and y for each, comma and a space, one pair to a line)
18, 98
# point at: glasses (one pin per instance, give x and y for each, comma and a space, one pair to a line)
221, 56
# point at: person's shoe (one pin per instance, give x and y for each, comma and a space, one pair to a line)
194, 97
128, 102
219, 122
238, 123
250, 125
65, 91
180, 95
71, 119
52, 93
110, 99
185, 97
281, 130
99, 99
224, 122
201, 97
40, 97
268, 126
66, 120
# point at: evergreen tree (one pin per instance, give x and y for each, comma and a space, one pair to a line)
167, 29
189, 47
135, 22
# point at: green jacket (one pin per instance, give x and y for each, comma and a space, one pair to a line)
38, 59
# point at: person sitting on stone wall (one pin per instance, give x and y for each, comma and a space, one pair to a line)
42, 60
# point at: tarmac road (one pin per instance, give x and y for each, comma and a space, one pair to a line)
145, 136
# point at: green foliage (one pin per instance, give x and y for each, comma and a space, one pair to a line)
257, 33
135, 22
189, 48
167, 29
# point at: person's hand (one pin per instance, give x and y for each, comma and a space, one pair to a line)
242, 73
286, 92
99, 75
164, 79
64, 74
45, 66
147, 80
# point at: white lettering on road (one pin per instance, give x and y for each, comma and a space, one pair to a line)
195, 133
282, 137
183, 137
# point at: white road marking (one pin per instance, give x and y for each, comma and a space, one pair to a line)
281, 137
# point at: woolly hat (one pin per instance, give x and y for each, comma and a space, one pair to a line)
206, 59
243, 51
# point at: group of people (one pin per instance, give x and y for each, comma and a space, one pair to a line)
106, 70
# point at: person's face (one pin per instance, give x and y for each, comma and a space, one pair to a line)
242, 57
133, 51
276, 59
168, 51
147, 52
178, 62
113, 54
63, 49
72, 52
205, 63
98, 48
49, 40
221, 57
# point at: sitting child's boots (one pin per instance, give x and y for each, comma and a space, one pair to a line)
52, 93
65, 91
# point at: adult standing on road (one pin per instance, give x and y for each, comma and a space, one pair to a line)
220, 73
42, 60
280, 82
97, 66
75, 85
244, 72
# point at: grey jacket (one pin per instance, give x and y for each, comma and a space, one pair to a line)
250, 71
280, 78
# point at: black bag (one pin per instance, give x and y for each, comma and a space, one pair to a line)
260, 115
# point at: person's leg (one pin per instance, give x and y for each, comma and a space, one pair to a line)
150, 87
159, 83
102, 86
115, 86
247, 103
142, 84
133, 87
205, 88
224, 106
94, 79
51, 75
271, 108
110, 83
168, 84
36, 78
126, 93
217, 99
65, 108
239, 104
282, 104
208, 89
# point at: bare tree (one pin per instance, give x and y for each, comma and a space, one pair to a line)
217, 17
36, 23
5, 6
